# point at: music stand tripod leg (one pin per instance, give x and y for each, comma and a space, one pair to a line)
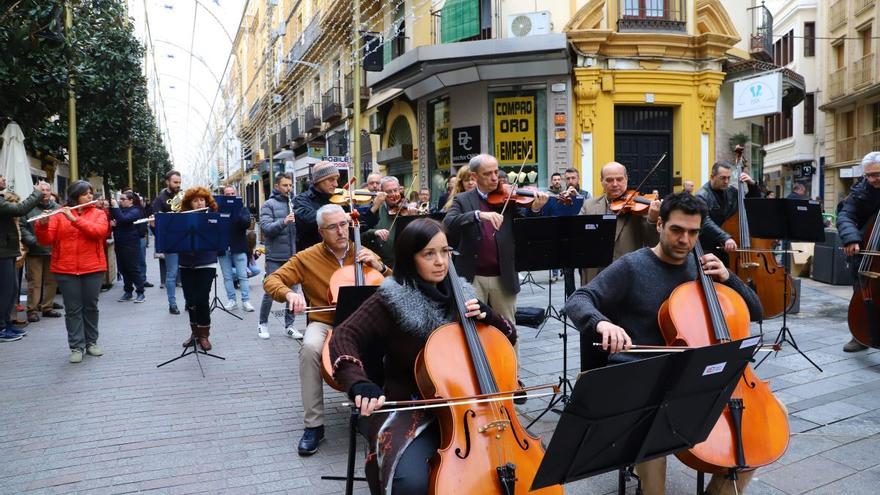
216, 303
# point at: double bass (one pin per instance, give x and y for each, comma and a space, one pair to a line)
483, 447
754, 261
753, 428
863, 315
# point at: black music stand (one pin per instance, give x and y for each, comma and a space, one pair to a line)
788, 220
350, 299
181, 233
544, 243
229, 208
648, 409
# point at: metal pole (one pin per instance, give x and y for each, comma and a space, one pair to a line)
71, 102
130, 170
148, 179
356, 89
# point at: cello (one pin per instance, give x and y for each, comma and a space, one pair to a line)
863, 315
753, 428
754, 261
483, 447
355, 274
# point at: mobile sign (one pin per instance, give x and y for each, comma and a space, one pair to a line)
515, 137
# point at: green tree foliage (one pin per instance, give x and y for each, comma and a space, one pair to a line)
104, 57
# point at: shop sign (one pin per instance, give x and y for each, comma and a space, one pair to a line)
441, 134
514, 123
465, 143
316, 151
757, 96
340, 161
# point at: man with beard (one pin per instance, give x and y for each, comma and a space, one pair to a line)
168, 264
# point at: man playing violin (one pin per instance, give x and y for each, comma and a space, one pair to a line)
632, 231
484, 238
720, 197
325, 176
312, 269
379, 237
619, 307
859, 206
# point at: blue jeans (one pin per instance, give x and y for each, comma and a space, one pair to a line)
142, 262
171, 277
239, 260
266, 304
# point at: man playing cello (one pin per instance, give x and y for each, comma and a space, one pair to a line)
312, 269
622, 302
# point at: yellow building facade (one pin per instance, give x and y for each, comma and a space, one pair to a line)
647, 83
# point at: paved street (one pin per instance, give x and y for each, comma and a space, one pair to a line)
117, 424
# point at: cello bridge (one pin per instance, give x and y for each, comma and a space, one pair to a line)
874, 275
500, 425
748, 265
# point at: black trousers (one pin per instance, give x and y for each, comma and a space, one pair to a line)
128, 260
196, 284
8, 290
412, 475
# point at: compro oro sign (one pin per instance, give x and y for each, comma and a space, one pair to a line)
514, 122
757, 96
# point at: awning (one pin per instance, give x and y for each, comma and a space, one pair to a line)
383, 96
284, 155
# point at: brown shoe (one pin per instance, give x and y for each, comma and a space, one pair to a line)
19, 323
854, 346
191, 341
51, 313
202, 334
33, 316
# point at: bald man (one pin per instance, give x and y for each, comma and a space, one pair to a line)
633, 231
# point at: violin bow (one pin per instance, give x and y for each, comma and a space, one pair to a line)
402, 199
513, 186
647, 176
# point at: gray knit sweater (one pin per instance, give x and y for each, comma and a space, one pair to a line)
629, 294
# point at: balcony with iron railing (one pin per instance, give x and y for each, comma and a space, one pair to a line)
863, 71
845, 149
837, 83
869, 142
304, 42
349, 91
838, 14
296, 132
862, 5
331, 107
668, 15
313, 118
761, 41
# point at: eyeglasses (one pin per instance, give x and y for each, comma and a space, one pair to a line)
872, 175
338, 226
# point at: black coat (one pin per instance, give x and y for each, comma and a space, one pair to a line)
465, 234
711, 234
862, 202
238, 227
305, 207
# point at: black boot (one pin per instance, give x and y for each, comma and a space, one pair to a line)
191, 341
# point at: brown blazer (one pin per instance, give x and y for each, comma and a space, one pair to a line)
633, 232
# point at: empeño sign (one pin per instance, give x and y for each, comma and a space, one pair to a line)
514, 120
757, 96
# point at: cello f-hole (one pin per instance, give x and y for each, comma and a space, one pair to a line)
523, 443
467, 435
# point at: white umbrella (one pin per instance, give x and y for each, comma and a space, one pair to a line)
14, 162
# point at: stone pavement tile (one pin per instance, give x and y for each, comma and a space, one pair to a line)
802, 446
861, 454
861, 483
805, 474
866, 400
798, 425
829, 413
861, 426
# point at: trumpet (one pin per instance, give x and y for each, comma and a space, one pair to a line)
176, 202
153, 217
59, 210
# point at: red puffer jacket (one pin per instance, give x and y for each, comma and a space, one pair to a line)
77, 247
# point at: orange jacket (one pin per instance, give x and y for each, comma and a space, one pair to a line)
77, 247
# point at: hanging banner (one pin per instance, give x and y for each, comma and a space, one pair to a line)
514, 122
441, 134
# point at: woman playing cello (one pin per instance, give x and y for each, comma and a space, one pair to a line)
392, 327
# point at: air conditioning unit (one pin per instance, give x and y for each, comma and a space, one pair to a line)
529, 24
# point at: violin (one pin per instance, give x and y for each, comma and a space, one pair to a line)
754, 260
522, 196
633, 202
483, 447
863, 316
358, 196
753, 429
356, 274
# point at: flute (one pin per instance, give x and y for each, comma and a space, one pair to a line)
153, 217
59, 210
